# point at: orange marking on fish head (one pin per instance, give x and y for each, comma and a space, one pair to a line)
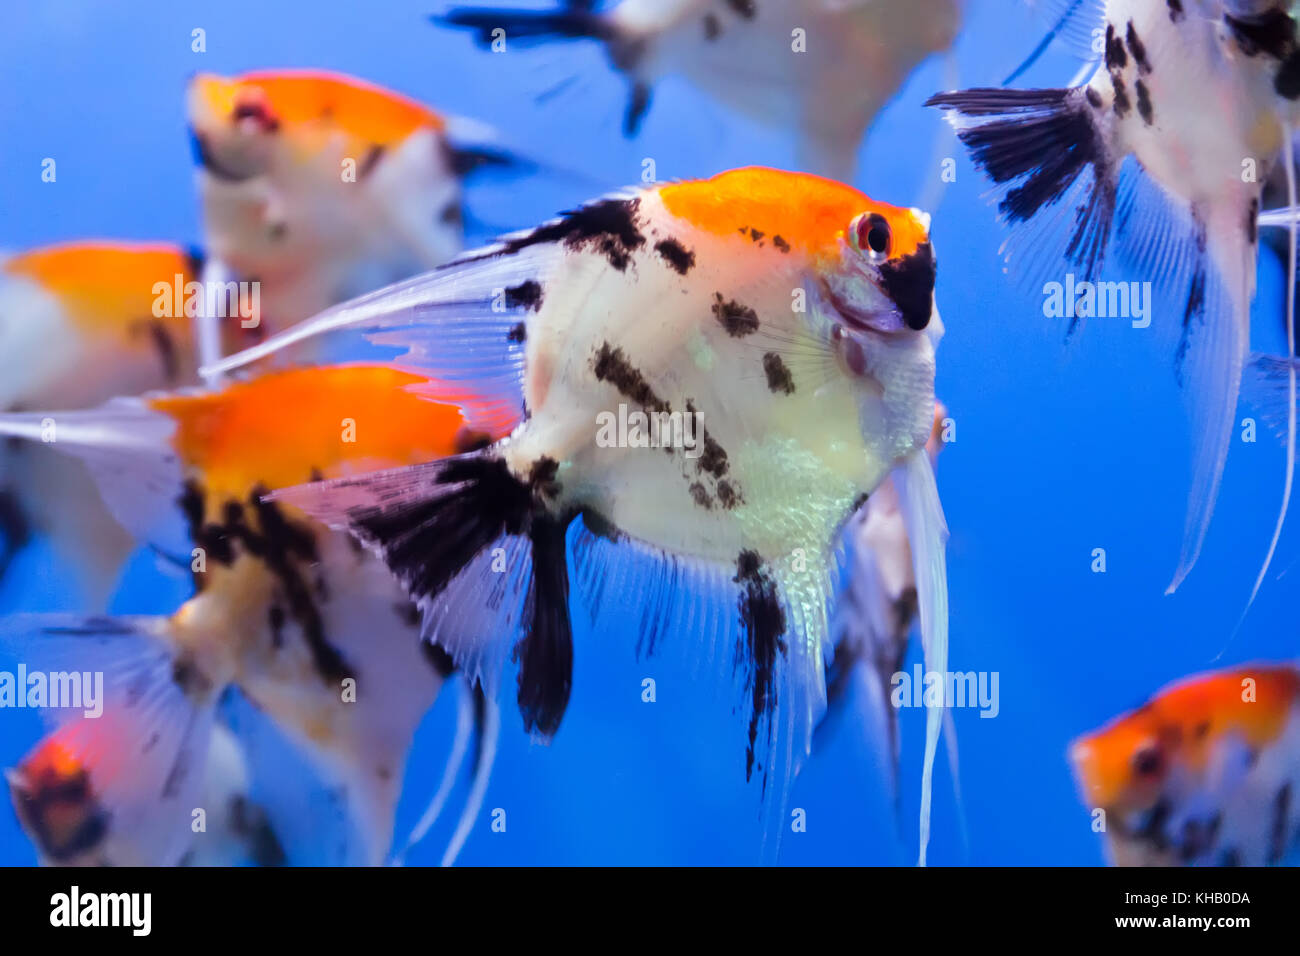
236, 121
52, 793
808, 213
1124, 765
288, 427
112, 289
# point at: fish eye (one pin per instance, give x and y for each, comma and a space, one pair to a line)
1148, 761
872, 236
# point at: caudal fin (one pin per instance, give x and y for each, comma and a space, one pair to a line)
121, 777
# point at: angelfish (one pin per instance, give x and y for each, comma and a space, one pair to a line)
822, 67
1158, 162
311, 629
81, 322
320, 186
1205, 773
791, 315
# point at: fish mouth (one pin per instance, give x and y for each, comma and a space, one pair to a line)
204, 157
908, 281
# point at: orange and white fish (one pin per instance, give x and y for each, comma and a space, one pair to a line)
1159, 162
77, 326
57, 806
320, 186
822, 67
1206, 772
712, 375
310, 628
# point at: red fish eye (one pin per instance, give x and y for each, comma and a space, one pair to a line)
873, 234
1148, 762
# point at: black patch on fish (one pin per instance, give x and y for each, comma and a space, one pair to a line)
608, 227
477, 500
1197, 838
1252, 221
1138, 49
1175, 10
452, 214
779, 378
739, 320
527, 295
211, 538
763, 621
275, 620
287, 549
47, 802
517, 334
545, 654
676, 255
909, 282
1041, 140
1152, 828
541, 477
252, 825
638, 104
744, 8
465, 160
1093, 97
714, 458
1121, 103
1116, 58
700, 495
1144, 103
712, 28
187, 676
780, 243
727, 496
1278, 833
612, 366
15, 527
426, 543
438, 658
1272, 33
1287, 81
1194, 311
756, 234
369, 161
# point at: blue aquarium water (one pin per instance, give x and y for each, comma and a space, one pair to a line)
1062, 445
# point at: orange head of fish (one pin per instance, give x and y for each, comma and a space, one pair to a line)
53, 797
241, 126
1128, 765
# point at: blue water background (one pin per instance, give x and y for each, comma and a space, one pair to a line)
1062, 447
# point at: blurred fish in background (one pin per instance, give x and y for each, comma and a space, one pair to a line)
306, 625
1206, 773
321, 186
820, 68
78, 326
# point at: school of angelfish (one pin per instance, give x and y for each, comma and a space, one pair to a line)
780, 327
